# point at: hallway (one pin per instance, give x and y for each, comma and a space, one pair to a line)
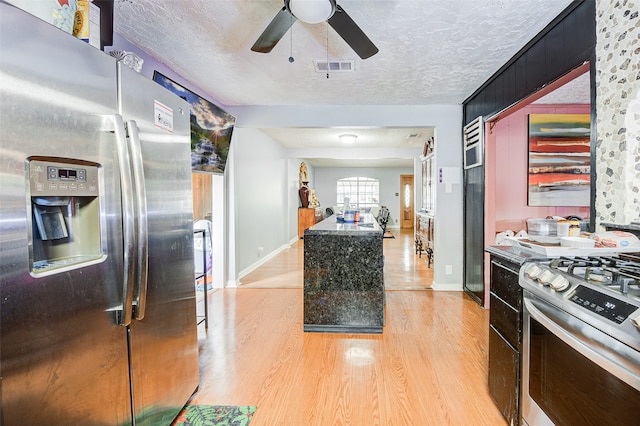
427, 368
403, 271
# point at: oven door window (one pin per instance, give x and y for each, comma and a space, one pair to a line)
573, 390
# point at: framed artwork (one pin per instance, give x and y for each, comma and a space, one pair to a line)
559, 169
211, 129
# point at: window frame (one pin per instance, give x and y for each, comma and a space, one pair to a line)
363, 192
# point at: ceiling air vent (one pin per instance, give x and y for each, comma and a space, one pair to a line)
334, 66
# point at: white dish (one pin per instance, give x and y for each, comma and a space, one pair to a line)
544, 239
577, 242
558, 250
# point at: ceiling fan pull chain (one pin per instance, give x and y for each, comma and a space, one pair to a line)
291, 46
327, 49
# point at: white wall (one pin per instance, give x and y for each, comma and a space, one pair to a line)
326, 178
260, 199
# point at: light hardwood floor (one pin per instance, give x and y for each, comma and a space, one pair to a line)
428, 367
403, 269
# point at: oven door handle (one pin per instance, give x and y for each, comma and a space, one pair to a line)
610, 354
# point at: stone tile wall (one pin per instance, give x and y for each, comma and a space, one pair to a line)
618, 111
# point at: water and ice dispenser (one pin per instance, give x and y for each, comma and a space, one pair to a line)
65, 229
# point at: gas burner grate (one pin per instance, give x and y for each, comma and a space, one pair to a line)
569, 264
618, 272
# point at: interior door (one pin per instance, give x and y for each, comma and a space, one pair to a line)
407, 201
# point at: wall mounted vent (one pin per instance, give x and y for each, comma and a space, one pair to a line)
473, 135
334, 66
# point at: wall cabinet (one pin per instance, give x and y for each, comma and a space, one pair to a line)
428, 178
308, 217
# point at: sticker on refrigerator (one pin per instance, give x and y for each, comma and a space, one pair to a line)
163, 117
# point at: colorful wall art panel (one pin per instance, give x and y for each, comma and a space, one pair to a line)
559, 160
211, 129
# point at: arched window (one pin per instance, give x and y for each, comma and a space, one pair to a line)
363, 192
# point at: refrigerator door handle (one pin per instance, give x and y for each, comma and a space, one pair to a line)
124, 313
140, 296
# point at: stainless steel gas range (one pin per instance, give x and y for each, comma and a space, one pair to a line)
581, 341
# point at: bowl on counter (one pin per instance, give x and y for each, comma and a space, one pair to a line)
542, 227
543, 231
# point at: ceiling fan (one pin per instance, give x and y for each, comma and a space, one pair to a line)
313, 12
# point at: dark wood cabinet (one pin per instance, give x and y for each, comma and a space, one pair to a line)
505, 337
424, 236
504, 376
308, 217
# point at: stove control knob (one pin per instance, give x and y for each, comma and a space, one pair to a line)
635, 319
533, 271
559, 283
545, 277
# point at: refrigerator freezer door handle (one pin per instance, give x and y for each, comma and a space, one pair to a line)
128, 222
140, 293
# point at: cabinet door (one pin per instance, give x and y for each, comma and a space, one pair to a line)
306, 219
504, 376
504, 282
506, 320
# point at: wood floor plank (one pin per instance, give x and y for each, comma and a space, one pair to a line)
428, 367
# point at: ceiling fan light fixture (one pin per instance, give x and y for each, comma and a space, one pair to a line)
348, 138
312, 11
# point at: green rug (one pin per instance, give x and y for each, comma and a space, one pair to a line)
215, 415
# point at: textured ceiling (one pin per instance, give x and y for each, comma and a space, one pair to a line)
431, 52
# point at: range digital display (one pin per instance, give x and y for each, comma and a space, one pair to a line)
606, 306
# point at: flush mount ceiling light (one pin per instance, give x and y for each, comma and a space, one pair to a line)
312, 11
348, 138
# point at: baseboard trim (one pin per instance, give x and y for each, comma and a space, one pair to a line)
446, 287
263, 260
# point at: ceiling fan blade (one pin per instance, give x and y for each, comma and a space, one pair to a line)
352, 34
274, 31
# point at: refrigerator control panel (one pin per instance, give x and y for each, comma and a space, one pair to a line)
48, 178
59, 173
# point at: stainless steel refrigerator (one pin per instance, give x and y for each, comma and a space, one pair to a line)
97, 298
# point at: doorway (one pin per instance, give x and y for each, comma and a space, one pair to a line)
406, 201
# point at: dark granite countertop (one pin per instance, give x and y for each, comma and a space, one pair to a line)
330, 225
629, 227
343, 277
515, 254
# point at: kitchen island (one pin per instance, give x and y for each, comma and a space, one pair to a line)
343, 277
